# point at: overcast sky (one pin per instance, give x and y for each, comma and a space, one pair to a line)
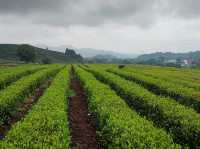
131, 26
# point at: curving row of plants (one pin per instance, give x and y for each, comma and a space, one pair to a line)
46, 125
10, 69
175, 77
183, 95
183, 73
16, 93
120, 126
180, 121
7, 78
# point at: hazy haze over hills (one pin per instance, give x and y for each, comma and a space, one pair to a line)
89, 52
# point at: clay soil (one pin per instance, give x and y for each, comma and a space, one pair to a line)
83, 132
23, 109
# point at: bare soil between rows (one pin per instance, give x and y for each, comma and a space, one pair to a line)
83, 132
23, 108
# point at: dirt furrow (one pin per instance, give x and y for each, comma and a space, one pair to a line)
83, 132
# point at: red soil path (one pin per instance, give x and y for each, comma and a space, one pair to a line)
83, 132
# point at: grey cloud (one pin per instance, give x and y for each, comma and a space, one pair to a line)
96, 12
186, 8
78, 12
29, 6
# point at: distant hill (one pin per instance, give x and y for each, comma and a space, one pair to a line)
8, 52
195, 56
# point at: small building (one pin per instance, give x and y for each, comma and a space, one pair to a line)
186, 63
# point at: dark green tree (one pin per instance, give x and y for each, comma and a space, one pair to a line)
26, 53
46, 60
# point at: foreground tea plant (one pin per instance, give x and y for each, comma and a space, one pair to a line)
19, 90
11, 76
46, 126
184, 95
182, 122
120, 126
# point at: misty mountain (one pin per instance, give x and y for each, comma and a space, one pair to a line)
90, 52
